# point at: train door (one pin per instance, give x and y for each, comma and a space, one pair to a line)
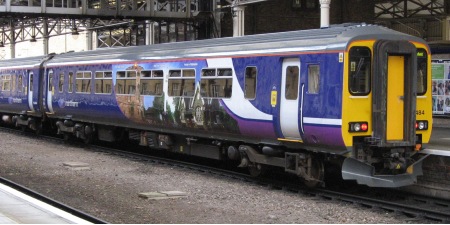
394, 93
30, 91
395, 101
290, 99
50, 92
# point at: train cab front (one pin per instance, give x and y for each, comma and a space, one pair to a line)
386, 111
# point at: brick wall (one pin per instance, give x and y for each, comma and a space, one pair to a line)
436, 169
280, 15
435, 181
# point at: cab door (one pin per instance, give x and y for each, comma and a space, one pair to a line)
290, 99
394, 93
395, 97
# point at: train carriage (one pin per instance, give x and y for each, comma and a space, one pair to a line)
357, 94
20, 82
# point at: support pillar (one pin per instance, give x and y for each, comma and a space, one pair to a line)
12, 40
188, 8
45, 36
238, 21
217, 20
446, 29
89, 40
325, 13
149, 32
94, 41
89, 36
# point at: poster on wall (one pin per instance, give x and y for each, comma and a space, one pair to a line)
440, 72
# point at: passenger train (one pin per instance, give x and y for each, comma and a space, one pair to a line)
354, 95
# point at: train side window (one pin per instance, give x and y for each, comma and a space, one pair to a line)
182, 82
208, 72
70, 89
292, 79
126, 82
216, 83
61, 82
188, 73
83, 82
20, 83
151, 82
6, 80
13, 82
422, 68
174, 73
157, 73
313, 79
103, 82
359, 70
250, 82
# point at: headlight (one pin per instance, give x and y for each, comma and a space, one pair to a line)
421, 125
357, 127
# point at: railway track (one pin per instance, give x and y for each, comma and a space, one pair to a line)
413, 207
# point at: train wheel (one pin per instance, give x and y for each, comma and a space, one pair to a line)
317, 174
38, 130
67, 137
257, 170
21, 127
88, 140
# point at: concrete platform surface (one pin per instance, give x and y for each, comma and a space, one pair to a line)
18, 208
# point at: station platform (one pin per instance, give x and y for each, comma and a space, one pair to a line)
440, 138
19, 208
439, 152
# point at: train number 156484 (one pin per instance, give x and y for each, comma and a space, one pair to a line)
420, 112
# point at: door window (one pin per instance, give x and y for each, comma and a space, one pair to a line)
31, 82
292, 75
50, 81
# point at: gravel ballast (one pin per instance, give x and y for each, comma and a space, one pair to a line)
108, 187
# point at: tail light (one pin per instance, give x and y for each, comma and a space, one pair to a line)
421, 125
358, 127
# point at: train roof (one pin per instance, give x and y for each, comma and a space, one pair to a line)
21, 62
334, 38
